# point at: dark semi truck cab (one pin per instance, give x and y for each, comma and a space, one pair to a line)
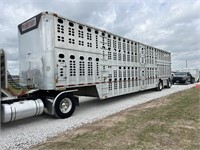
182, 77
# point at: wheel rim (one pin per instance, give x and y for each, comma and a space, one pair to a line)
65, 105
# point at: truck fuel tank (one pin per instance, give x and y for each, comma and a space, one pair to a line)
21, 109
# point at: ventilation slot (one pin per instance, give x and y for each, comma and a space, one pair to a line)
71, 31
97, 65
60, 28
81, 43
71, 41
89, 44
90, 68
72, 68
60, 38
80, 34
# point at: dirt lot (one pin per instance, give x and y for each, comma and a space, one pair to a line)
171, 122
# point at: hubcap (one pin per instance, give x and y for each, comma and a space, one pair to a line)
65, 105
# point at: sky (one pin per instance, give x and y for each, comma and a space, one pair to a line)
171, 25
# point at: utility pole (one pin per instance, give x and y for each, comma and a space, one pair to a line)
186, 63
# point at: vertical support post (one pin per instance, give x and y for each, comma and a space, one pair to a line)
3, 69
186, 63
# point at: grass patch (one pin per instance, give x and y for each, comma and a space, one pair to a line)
170, 122
15, 91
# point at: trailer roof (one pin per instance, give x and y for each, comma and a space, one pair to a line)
62, 17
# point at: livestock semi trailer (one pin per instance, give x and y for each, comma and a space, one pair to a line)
60, 59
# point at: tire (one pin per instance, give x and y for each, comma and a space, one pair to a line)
192, 81
64, 106
186, 82
169, 83
160, 86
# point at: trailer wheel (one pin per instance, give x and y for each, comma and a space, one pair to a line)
64, 106
169, 83
160, 86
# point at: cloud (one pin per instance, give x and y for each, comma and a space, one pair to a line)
183, 13
170, 25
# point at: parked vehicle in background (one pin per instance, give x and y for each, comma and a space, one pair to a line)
183, 77
194, 72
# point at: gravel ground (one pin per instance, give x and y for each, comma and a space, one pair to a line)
24, 133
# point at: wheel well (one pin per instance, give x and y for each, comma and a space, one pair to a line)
49, 98
70, 94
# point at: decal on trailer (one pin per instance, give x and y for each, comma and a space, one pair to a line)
30, 24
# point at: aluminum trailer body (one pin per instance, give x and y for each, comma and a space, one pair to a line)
56, 52
62, 58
